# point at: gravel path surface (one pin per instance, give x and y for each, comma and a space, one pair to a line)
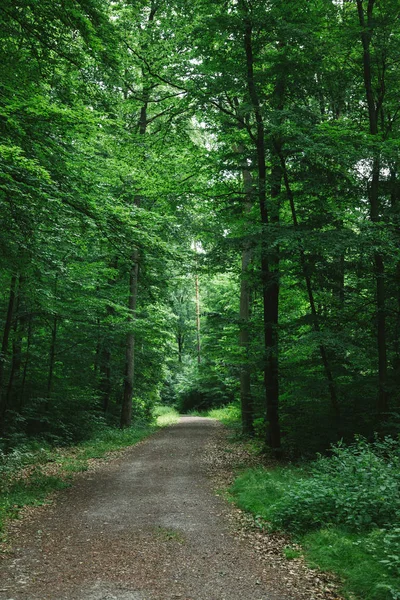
146, 526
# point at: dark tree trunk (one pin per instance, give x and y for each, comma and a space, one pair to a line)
16, 347
126, 408
26, 363
367, 22
4, 348
269, 261
180, 340
52, 351
105, 378
127, 394
246, 400
198, 319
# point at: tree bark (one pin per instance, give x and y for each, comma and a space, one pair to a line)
52, 352
126, 408
26, 362
16, 346
4, 348
180, 340
269, 264
105, 378
127, 395
198, 318
246, 400
366, 23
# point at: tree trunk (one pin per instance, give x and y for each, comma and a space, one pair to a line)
180, 340
126, 408
127, 395
26, 363
269, 265
198, 319
367, 23
4, 348
52, 352
105, 378
16, 347
246, 400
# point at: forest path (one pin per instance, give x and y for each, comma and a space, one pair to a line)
146, 526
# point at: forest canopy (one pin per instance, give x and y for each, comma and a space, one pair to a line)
200, 204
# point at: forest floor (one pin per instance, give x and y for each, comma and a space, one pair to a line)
148, 525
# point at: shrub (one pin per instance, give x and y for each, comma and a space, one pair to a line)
357, 488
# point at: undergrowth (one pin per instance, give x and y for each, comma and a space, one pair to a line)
344, 509
34, 469
229, 415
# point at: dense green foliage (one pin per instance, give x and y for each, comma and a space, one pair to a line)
30, 473
344, 508
200, 208
200, 204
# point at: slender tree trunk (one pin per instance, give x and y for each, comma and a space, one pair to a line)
105, 378
127, 396
52, 352
397, 327
26, 363
4, 348
16, 345
395, 204
52, 356
367, 24
126, 408
269, 264
246, 400
198, 319
97, 354
180, 340
103, 352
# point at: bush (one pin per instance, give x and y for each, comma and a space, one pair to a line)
357, 488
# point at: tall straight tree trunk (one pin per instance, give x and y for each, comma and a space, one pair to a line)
269, 272
105, 378
367, 24
180, 341
16, 346
4, 348
395, 205
127, 395
126, 408
196, 279
52, 351
246, 400
26, 362
103, 351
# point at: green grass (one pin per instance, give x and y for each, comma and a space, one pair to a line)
23, 493
228, 415
356, 558
166, 415
29, 475
366, 561
257, 490
291, 553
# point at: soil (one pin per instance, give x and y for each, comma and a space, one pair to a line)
148, 526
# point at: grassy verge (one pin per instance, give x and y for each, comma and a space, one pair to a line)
29, 475
228, 415
343, 510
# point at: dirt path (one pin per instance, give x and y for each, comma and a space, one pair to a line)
144, 527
